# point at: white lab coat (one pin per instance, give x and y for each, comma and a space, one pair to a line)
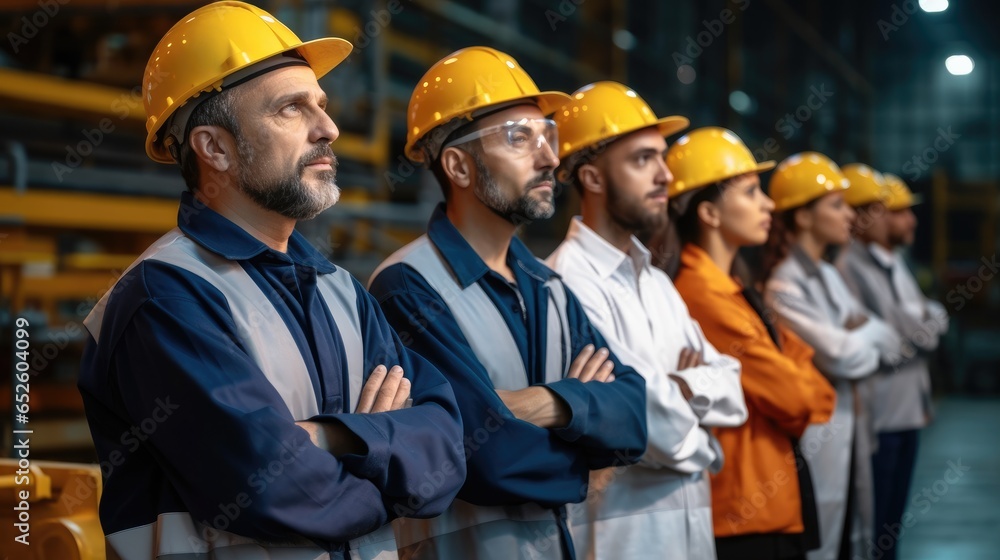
812, 299
660, 508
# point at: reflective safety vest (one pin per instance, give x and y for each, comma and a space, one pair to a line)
465, 530
266, 338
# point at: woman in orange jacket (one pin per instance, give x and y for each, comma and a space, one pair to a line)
762, 500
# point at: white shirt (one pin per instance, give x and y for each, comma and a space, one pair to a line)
813, 300
660, 508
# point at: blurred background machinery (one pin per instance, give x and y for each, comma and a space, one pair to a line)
910, 87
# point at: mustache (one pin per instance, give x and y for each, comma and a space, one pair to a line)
544, 176
320, 151
657, 192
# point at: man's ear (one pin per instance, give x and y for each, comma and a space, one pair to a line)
457, 166
709, 214
591, 179
214, 146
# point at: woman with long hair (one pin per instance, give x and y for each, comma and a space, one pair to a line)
762, 500
811, 217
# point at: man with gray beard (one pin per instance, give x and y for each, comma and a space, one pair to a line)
246, 396
542, 399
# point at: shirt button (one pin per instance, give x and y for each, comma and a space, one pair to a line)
515, 308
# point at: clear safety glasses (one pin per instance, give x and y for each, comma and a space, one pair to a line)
519, 138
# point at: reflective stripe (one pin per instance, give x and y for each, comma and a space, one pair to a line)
177, 535
483, 325
627, 512
273, 349
341, 299
465, 530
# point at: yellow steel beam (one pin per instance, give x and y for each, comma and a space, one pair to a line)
88, 210
60, 96
69, 96
97, 261
414, 48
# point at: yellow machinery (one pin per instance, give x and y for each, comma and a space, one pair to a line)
60, 512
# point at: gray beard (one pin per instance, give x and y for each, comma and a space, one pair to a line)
288, 195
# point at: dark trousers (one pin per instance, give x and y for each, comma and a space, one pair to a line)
892, 468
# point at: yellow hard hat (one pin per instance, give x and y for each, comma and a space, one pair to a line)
605, 110
900, 195
708, 155
804, 177
210, 44
867, 185
464, 82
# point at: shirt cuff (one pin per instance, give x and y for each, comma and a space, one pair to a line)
576, 397
702, 399
372, 465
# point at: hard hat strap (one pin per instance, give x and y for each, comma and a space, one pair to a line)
174, 130
465, 123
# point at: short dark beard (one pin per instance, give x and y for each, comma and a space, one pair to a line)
521, 210
631, 217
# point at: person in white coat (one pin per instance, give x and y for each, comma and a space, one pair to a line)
811, 297
660, 508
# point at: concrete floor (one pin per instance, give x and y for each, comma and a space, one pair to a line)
955, 499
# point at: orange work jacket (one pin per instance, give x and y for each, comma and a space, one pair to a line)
757, 490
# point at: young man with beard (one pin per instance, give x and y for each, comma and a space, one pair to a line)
661, 507
880, 278
543, 402
246, 395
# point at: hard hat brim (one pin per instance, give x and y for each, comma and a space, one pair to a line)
678, 188
796, 201
666, 126
671, 125
324, 54
914, 200
548, 103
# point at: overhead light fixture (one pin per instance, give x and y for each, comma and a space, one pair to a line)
624, 39
740, 102
959, 64
933, 6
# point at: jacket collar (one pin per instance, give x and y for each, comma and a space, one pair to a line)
463, 260
695, 258
214, 232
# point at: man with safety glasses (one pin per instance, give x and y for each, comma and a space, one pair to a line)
542, 400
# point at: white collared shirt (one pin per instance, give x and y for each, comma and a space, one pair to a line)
661, 507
